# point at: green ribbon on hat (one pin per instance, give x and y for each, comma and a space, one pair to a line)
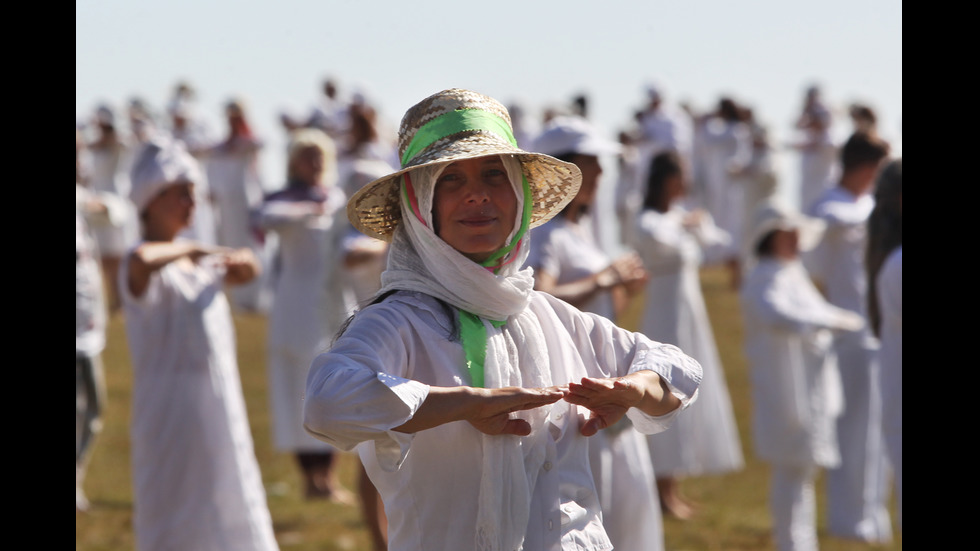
455, 122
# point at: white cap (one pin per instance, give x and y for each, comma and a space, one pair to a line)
572, 134
161, 163
774, 215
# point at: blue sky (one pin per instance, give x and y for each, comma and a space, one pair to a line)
275, 54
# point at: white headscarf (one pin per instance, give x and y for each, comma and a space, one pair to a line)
516, 354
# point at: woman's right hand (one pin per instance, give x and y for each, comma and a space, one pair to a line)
487, 409
631, 273
492, 409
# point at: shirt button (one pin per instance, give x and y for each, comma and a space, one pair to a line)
551, 525
547, 465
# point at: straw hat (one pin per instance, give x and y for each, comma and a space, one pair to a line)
773, 214
453, 125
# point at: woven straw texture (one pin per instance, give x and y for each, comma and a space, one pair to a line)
375, 211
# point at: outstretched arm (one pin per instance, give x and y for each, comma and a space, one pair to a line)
486, 409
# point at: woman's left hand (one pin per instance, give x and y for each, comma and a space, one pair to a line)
607, 399
242, 266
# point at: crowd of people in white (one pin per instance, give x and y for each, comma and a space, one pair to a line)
690, 189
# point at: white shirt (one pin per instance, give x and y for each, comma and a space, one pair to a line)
569, 251
378, 374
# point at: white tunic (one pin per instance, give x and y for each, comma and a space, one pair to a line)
377, 375
196, 482
308, 308
705, 439
796, 393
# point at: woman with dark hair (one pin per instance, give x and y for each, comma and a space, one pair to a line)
675, 243
884, 264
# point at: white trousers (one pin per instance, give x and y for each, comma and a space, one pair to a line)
792, 501
858, 490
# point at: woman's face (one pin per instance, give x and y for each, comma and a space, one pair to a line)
173, 209
675, 188
474, 207
785, 244
308, 165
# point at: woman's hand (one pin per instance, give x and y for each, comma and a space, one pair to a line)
491, 414
609, 398
242, 266
630, 272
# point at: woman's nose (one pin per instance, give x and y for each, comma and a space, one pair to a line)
477, 191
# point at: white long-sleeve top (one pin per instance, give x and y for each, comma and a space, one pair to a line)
378, 374
838, 260
796, 390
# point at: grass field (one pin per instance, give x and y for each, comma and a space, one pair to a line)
733, 514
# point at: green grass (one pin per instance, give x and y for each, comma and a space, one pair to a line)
733, 513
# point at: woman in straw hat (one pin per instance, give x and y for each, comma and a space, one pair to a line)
796, 388
457, 333
196, 481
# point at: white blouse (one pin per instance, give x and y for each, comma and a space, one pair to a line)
378, 374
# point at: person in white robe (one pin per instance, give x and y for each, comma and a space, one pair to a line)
817, 152
857, 490
108, 157
674, 243
726, 137
310, 301
757, 173
461, 379
569, 264
234, 181
196, 480
795, 382
661, 127
92, 209
884, 266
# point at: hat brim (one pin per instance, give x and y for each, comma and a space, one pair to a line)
375, 209
809, 230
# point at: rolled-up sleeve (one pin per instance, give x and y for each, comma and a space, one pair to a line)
350, 399
607, 350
